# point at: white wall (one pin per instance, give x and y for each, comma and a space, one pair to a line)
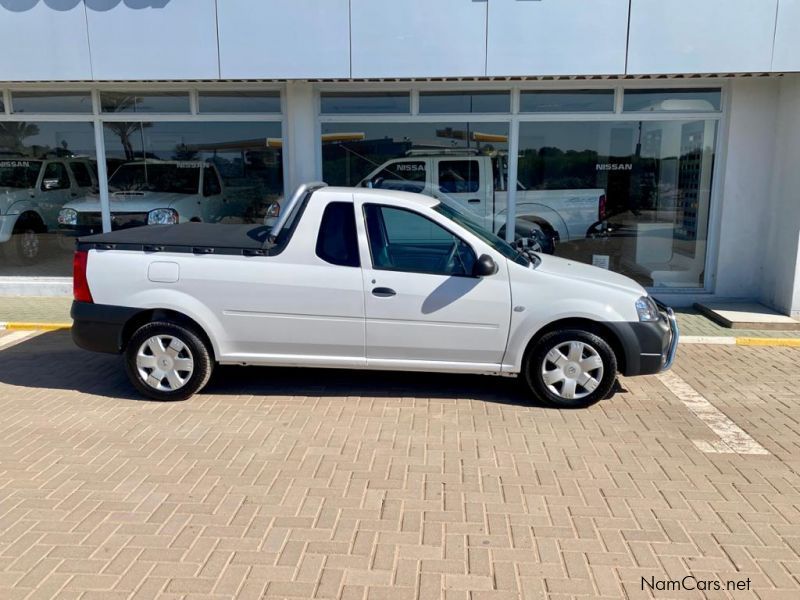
580, 37
153, 39
418, 38
745, 188
301, 142
786, 56
780, 286
707, 36
288, 40
39, 42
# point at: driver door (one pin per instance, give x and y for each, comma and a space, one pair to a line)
421, 302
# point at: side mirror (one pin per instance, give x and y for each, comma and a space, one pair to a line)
272, 214
484, 266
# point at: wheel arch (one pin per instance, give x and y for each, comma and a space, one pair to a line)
32, 215
596, 327
161, 314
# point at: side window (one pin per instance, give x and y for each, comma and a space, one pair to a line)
81, 174
337, 242
211, 185
459, 176
55, 177
406, 176
403, 240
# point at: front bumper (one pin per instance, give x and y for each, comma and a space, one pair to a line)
7, 223
648, 348
100, 327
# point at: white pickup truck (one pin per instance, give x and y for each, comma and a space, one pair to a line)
479, 182
150, 192
32, 192
361, 279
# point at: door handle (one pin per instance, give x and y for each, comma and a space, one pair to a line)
474, 201
383, 292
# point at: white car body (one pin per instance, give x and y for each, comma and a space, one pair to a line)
294, 308
43, 199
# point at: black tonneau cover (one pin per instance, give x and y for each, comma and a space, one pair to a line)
197, 238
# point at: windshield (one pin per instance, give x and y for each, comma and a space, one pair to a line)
19, 174
170, 178
495, 242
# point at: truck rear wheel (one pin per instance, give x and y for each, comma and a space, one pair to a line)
571, 368
167, 361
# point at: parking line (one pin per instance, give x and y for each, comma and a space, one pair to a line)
15, 337
732, 438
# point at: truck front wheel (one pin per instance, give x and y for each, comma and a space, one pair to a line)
571, 368
25, 246
167, 361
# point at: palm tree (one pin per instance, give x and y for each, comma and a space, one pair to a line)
12, 136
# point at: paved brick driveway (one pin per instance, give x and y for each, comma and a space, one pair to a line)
333, 484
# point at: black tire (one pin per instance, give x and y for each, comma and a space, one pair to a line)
193, 348
26, 245
557, 393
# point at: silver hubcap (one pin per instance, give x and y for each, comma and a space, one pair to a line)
164, 363
29, 243
572, 370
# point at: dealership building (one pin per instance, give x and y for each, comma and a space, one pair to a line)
656, 138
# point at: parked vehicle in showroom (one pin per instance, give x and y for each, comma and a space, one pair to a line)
32, 192
478, 182
363, 279
150, 192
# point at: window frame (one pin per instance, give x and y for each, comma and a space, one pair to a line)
419, 214
515, 117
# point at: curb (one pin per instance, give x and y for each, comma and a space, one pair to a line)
23, 326
740, 341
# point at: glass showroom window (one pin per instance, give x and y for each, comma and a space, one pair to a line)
632, 196
347, 103
462, 163
44, 166
163, 172
148, 102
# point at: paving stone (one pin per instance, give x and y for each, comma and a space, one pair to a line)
331, 484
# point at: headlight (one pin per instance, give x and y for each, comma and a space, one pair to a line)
162, 216
647, 309
68, 216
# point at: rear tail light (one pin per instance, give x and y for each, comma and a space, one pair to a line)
601, 208
80, 284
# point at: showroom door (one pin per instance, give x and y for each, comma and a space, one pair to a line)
421, 302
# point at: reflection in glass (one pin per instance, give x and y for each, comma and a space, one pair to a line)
332, 103
634, 194
465, 163
464, 102
43, 166
188, 171
150, 102
672, 100
560, 101
240, 102
51, 102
